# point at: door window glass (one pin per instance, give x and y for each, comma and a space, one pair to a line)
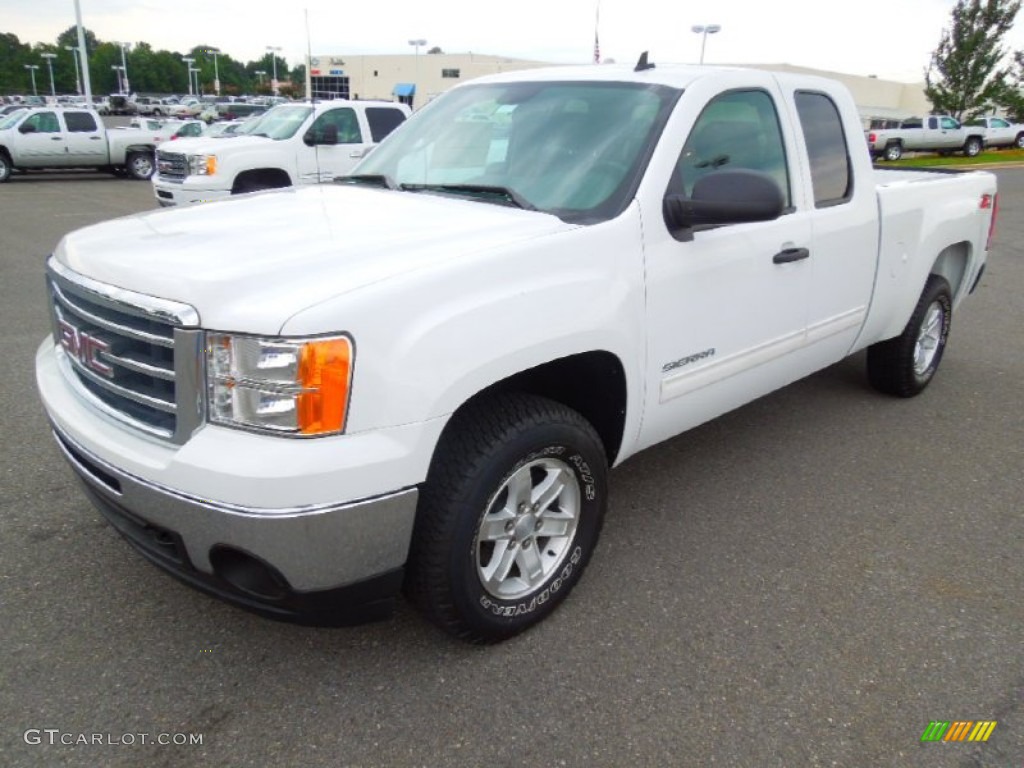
44, 122
79, 122
383, 120
739, 129
826, 147
341, 120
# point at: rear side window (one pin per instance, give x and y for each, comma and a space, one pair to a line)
383, 120
826, 147
79, 122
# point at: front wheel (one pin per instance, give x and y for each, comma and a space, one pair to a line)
5, 168
972, 147
905, 365
508, 518
140, 165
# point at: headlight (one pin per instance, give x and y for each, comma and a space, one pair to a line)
285, 386
202, 165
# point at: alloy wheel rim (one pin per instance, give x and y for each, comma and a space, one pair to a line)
528, 529
929, 338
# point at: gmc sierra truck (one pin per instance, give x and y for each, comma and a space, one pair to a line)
56, 139
937, 133
302, 400
290, 145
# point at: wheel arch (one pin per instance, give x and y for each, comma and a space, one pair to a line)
276, 177
951, 264
591, 383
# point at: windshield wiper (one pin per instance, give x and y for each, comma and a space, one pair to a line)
510, 196
374, 179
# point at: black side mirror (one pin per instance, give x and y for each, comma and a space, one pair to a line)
725, 197
27, 128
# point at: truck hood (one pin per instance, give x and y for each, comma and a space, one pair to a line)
211, 145
248, 264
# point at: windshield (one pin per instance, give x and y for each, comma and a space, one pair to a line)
280, 122
8, 121
576, 150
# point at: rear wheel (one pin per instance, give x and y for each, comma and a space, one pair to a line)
1020, 141
972, 147
508, 518
5, 167
894, 151
140, 165
905, 365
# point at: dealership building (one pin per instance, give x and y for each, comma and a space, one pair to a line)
415, 79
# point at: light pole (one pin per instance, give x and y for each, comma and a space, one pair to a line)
188, 60
49, 63
80, 33
124, 66
117, 68
216, 72
78, 74
32, 68
273, 57
416, 67
260, 73
195, 70
704, 30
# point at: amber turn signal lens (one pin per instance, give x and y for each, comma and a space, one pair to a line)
325, 373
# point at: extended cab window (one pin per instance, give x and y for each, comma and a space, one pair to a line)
383, 120
739, 129
341, 122
826, 147
42, 122
79, 122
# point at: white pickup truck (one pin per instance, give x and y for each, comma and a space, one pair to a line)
290, 145
54, 139
1000, 132
937, 133
301, 400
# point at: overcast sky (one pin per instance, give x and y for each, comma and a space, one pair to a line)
891, 39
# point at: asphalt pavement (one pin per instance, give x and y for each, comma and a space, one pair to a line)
807, 581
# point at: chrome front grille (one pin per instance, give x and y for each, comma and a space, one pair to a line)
171, 166
130, 355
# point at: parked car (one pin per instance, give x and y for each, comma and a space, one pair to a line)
1000, 132
937, 133
187, 107
301, 401
42, 138
290, 145
189, 129
150, 105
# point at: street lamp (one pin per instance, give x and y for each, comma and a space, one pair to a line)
49, 63
124, 66
704, 30
32, 68
188, 60
78, 75
260, 73
273, 57
216, 72
416, 67
117, 68
196, 71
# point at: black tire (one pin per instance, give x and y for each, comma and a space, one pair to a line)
496, 452
1019, 143
158, 113
140, 165
905, 365
972, 147
893, 151
5, 167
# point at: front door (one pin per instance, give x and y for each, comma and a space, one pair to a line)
336, 140
41, 142
725, 307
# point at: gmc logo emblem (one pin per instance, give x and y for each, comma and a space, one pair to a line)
84, 347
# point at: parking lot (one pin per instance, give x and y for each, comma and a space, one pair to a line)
807, 581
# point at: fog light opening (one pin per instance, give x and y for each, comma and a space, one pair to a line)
248, 574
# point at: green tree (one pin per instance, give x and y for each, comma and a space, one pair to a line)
1013, 99
964, 77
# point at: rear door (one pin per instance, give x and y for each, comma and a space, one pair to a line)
86, 143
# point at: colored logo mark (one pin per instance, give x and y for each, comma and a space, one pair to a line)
958, 730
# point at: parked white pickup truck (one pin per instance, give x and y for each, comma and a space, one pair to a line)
302, 399
290, 145
938, 133
46, 138
1000, 132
